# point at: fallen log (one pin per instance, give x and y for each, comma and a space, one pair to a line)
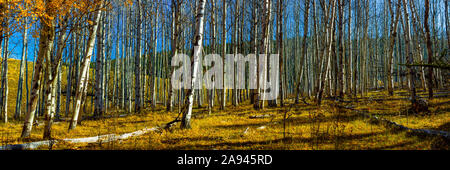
387, 122
63, 119
261, 128
94, 139
260, 116
391, 99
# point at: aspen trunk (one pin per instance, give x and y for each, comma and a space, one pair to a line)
84, 74
98, 104
391, 46
137, 68
350, 50
18, 111
4, 78
213, 51
47, 36
280, 48
340, 73
155, 45
304, 49
174, 46
255, 44
52, 69
429, 47
408, 51
197, 43
223, 100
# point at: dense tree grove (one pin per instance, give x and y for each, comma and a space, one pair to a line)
91, 57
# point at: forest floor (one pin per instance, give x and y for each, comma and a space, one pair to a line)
334, 125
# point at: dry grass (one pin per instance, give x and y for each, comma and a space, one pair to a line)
307, 126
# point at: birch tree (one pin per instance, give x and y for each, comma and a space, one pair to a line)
195, 62
429, 47
304, 48
409, 56
84, 73
47, 36
137, 68
393, 36
223, 100
18, 111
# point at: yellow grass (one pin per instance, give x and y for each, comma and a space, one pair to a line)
307, 127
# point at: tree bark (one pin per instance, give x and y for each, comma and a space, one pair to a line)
174, 47
429, 47
18, 111
195, 62
391, 45
223, 100
84, 74
280, 47
409, 55
47, 36
137, 68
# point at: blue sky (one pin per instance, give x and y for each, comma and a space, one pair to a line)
15, 43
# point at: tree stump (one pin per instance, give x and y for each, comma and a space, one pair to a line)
420, 107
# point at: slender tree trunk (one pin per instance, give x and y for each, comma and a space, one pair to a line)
446, 24
52, 68
224, 50
355, 58
99, 70
84, 74
137, 69
340, 78
280, 47
324, 75
429, 47
350, 50
263, 49
235, 50
391, 45
175, 15
213, 51
155, 47
5, 88
4, 71
255, 43
197, 43
47, 36
409, 55
18, 111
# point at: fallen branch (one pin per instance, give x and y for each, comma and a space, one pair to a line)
444, 134
246, 131
94, 139
63, 119
169, 125
393, 99
260, 116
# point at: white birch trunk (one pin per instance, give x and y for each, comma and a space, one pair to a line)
198, 45
83, 77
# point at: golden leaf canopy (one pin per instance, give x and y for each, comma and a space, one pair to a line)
45, 10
